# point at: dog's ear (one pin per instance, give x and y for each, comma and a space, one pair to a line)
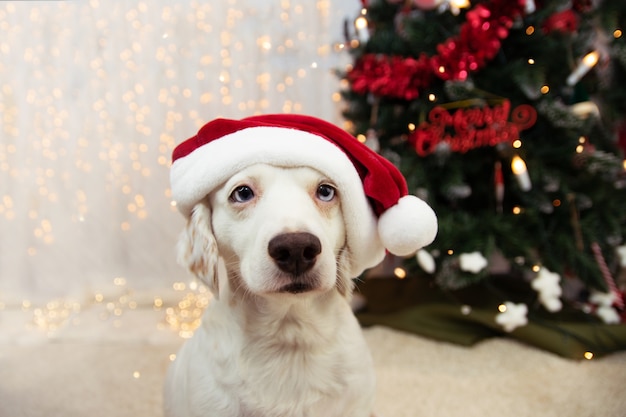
197, 249
345, 285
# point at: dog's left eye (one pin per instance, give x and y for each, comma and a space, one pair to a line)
325, 192
242, 194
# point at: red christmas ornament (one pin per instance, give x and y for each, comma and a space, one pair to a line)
564, 22
478, 42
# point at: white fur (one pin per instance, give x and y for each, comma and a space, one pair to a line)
261, 352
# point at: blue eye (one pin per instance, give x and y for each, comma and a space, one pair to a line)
326, 192
242, 194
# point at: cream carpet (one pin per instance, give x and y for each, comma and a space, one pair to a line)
121, 375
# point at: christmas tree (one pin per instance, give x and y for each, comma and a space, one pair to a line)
509, 118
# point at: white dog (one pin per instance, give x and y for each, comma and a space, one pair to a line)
283, 210
279, 339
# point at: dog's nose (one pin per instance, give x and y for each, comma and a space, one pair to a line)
295, 253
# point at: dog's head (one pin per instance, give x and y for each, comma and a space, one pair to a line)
278, 231
223, 163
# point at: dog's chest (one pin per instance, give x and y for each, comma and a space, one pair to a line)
300, 385
294, 365
291, 370
279, 369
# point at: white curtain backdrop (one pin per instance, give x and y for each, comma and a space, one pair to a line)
94, 95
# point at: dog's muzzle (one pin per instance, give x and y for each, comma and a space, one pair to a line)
295, 254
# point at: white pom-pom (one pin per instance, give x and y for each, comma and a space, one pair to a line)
407, 226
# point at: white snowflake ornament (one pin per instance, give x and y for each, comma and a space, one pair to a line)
602, 299
473, 262
552, 304
608, 315
547, 285
605, 310
512, 316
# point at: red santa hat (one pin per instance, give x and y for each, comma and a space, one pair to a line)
378, 212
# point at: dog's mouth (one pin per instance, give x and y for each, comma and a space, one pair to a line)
296, 288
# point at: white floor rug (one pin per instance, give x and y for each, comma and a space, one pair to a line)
121, 375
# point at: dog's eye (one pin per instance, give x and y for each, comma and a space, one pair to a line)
242, 194
326, 192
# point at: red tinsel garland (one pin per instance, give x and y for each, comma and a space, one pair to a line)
478, 42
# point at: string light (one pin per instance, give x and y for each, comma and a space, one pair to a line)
581, 144
585, 109
362, 31
400, 273
457, 5
462, 4
131, 107
185, 317
141, 109
54, 314
518, 166
588, 62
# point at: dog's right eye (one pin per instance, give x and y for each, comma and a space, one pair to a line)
326, 192
242, 194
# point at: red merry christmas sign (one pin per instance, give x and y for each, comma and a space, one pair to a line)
465, 129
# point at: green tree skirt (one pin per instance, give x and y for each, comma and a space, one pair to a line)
468, 316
